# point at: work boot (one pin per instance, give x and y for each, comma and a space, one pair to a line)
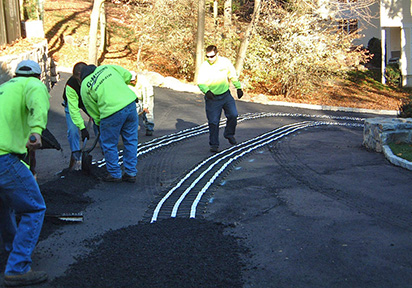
214, 149
232, 140
29, 278
128, 178
110, 178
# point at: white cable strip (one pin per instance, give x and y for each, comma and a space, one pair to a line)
181, 198
159, 205
217, 173
188, 133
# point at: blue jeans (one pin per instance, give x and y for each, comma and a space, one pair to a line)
122, 123
19, 193
73, 134
214, 108
148, 123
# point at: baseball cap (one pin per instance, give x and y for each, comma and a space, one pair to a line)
134, 75
28, 67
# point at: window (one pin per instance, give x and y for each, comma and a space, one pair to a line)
348, 25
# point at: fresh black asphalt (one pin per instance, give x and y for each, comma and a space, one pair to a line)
312, 208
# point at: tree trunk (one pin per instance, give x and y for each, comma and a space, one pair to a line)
94, 21
215, 11
200, 41
228, 13
103, 24
248, 34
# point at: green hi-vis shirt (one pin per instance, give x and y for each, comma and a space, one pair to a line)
106, 91
215, 77
72, 97
24, 104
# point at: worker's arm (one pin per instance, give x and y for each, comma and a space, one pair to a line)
74, 110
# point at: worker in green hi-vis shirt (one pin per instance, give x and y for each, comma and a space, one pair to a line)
213, 80
111, 103
24, 104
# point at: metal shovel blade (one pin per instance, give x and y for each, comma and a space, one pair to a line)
68, 217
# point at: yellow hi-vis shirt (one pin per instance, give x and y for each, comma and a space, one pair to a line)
215, 76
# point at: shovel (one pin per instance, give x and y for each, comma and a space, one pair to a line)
67, 217
78, 164
86, 158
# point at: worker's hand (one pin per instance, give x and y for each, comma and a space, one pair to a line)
210, 95
145, 110
239, 93
34, 141
85, 134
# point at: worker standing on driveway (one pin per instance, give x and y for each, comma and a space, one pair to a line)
213, 80
111, 103
145, 105
72, 105
24, 104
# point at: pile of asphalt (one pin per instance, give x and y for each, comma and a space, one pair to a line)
65, 195
175, 252
170, 253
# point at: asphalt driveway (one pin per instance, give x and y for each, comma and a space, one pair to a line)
299, 202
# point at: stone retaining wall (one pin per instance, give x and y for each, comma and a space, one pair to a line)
38, 53
380, 131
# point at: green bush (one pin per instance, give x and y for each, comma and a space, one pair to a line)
30, 10
405, 109
393, 75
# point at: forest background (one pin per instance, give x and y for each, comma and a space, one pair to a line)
293, 55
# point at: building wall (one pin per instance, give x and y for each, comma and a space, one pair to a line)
395, 13
396, 21
369, 28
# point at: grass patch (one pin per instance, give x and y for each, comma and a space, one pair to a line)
402, 150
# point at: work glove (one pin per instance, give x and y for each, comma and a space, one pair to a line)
239, 93
85, 134
210, 95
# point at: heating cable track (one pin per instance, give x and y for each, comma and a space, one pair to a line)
183, 198
170, 139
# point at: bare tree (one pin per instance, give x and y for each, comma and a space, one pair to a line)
359, 9
248, 34
228, 13
102, 29
215, 11
94, 21
200, 39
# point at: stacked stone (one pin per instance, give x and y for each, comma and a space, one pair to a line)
380, 131
38, 53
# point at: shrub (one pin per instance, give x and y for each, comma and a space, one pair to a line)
374, 47
405, 109
393, 75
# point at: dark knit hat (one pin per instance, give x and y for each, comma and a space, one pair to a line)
87, 70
